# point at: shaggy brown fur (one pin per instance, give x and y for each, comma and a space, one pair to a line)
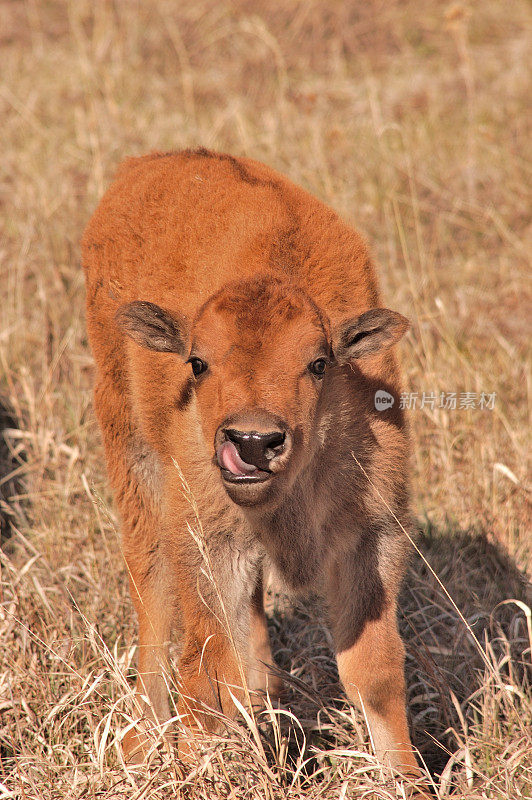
228, 309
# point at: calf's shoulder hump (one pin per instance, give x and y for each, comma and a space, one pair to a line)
183, 224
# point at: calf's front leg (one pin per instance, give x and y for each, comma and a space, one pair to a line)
370, 653
262, 679
155, 623
372, 672
213, 662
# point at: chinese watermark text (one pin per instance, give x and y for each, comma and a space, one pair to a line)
451, 401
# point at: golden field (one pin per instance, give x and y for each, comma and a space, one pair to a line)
410, 118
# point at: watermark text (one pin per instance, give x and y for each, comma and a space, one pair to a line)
451, 401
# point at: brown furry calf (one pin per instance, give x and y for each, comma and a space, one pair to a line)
239, 340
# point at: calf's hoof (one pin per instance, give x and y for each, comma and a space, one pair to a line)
138, 747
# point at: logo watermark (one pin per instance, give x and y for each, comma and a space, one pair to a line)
383, 400
450, 401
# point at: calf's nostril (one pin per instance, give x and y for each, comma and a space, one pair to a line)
274, 444
237, 437
274, 439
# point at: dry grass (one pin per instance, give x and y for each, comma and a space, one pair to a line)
409, 118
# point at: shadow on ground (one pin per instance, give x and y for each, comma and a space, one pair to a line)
443, 644
11, 486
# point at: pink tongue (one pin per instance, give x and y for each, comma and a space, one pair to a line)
229, 459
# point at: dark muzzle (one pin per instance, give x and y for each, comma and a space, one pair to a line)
257, 448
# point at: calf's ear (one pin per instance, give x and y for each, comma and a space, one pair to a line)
152, 327
374, 330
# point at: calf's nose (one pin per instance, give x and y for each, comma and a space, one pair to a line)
257, 448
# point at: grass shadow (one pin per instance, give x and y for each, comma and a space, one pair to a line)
444, 665
447, 657
11, 484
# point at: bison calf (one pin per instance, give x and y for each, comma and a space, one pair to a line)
239, 339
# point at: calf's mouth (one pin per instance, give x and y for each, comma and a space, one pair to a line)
235, 470
247, 456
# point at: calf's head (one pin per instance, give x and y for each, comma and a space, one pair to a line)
260, 352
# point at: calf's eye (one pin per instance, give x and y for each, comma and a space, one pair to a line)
318, 367
198, 366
